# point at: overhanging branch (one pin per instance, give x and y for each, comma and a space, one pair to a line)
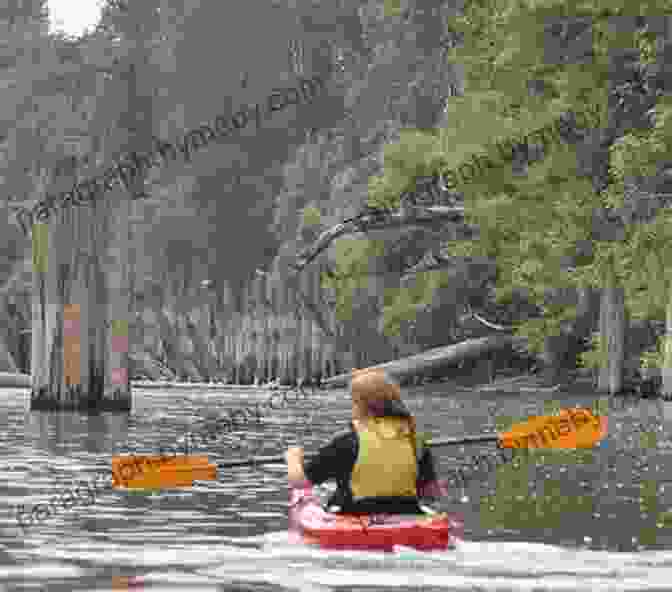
480, 319
378, 220
369, 220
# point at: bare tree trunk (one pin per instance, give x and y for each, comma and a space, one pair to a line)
246, 334
81, 310
555, 349
315, 339
81, 266
145, 364
305, 329
612, 334
587, 312
259, 327
295, 363
171, 339
201, 357
666, 370
330, 352
285, 333
329, 345
7, 363
240, 336
200, 334
265, 312
234, 326
225, 330
10, 333
269, 326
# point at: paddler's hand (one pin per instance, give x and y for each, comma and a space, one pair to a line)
294, 458
294, 455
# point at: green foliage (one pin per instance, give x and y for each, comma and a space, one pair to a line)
392, 7
311, 216
403, 304
524, 226
532, 224
350, 278
654, 357
595, 356
382, 193
638, 154
404, 161
643, 270
536, 330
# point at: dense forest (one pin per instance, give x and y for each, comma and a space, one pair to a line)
332, 235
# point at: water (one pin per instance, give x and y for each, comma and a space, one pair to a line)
590, 521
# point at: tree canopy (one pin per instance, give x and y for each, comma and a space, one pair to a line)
552, 216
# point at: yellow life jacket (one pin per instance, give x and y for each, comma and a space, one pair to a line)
386, 465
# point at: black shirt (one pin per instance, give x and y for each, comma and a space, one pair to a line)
336, 461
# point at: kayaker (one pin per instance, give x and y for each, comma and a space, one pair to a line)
378, 464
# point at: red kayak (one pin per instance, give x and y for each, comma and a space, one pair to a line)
311, 524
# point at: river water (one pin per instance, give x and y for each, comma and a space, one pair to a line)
593, 520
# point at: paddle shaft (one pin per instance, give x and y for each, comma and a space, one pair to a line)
268, 460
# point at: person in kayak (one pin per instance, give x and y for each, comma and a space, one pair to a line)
378, 464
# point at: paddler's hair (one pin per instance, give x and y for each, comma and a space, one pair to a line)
374, 385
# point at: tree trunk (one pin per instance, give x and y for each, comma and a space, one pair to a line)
80, 311
612, 335
261, 314
554, 356
666, 370
202, 358
205, 344
316, 341
234, 331
143, 364
245, 334
267, 318
587, 312
304, 331
7, 363
171, 339
19, 335
329, 345
82, 291
287, 332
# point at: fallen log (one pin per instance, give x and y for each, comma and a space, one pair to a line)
436, 359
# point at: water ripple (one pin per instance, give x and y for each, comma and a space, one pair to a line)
590, 521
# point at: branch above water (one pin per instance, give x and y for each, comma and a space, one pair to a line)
379, 220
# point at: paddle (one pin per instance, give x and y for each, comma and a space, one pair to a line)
267, 460
582, 429
590, 430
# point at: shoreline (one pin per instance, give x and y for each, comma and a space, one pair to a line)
19, 380
522, 383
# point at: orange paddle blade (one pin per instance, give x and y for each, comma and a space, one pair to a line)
571, 428
155, 472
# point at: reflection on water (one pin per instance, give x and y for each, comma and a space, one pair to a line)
586, 520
